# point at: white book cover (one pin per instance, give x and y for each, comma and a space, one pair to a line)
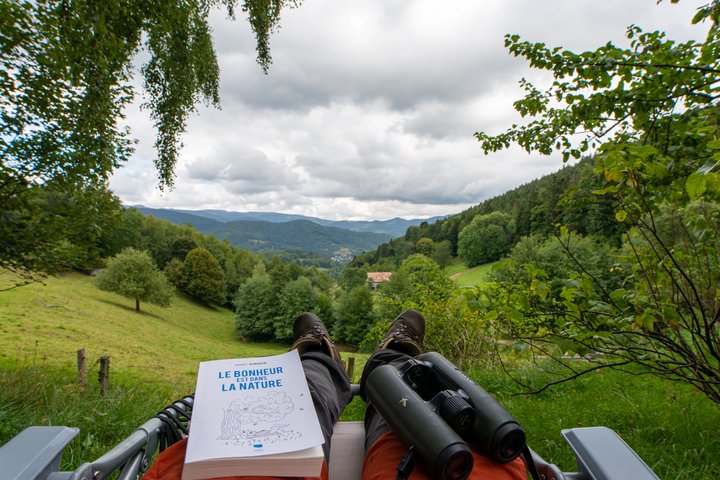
248, 407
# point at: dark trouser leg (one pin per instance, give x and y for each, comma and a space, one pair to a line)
330, 391
375, 424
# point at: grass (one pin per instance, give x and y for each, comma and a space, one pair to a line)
50, 322
457, 265
670, 425
468, 277
43, 395
154, 356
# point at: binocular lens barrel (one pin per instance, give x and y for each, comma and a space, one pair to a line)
439, 448
495, 433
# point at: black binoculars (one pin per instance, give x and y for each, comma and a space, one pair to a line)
433, 406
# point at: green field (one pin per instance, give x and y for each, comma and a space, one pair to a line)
154, 356
468, 277
49, 323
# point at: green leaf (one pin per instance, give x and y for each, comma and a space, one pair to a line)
621, 215
515, 315
695, 185
646, 320
618, 295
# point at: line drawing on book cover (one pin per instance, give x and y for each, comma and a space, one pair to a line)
254, 421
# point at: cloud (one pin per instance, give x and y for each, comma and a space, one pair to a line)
370, 106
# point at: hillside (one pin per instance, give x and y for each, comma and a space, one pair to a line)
534, 207
49, 323
272, 237
395, 227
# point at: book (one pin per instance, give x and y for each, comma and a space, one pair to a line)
253, 416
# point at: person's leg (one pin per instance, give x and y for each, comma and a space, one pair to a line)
327, 380
403, 341
329, 389
383, 448
375, 424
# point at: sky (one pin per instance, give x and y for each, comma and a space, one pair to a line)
369, 108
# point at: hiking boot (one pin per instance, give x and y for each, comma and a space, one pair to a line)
310, 334
406, 334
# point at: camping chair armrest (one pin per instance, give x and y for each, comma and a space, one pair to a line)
134, 452
602, 455
35, 452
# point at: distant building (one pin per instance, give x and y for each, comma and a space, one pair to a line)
376, 278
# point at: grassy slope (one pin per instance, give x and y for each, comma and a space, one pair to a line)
154, 357
51, 322
468, 277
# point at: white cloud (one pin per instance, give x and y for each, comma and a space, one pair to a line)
370, 106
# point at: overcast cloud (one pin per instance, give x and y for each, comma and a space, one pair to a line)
369, 109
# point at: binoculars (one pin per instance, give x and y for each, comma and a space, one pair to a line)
433, 406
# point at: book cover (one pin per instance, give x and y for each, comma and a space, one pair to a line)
246, 412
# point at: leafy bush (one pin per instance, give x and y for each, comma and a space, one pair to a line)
559, 259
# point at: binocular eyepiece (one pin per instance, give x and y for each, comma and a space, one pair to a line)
431, 404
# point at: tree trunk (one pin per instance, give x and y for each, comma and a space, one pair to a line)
137, 305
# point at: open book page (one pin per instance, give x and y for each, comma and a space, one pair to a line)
250, 407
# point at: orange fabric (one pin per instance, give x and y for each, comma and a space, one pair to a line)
169, 464
382, 460
380, 464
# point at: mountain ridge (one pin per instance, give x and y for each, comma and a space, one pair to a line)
395, 227
287, 232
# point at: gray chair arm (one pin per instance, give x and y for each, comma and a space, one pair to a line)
35, 452
602, 455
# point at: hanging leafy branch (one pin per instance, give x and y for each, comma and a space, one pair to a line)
65, 80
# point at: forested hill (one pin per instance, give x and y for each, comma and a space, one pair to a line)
274, 237
395, 227
535, 207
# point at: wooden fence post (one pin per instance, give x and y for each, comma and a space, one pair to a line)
351, 368
104, 375
82, 370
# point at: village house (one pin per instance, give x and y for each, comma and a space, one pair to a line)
376, 278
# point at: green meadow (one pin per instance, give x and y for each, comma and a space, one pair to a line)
468, 277
154, 355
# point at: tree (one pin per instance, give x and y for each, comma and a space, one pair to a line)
352, 277
66, 72
49, 229
554, 256
296, 297
416, 283
651, 111
256, 306
487, 238
203, 279
132, 273
425, 245
442, 253
180, 247
175, 273
355, 315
